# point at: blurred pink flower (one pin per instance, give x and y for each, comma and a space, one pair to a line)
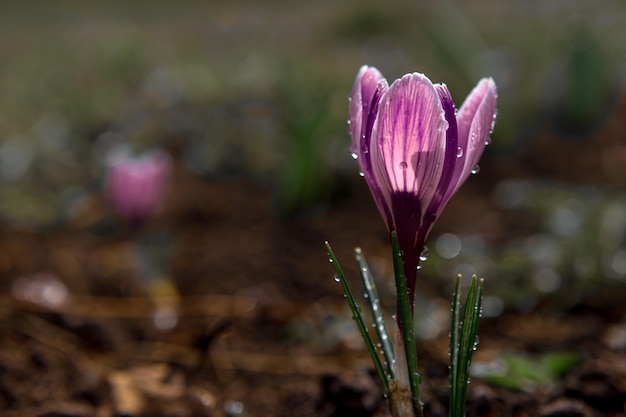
135, 186
415, 150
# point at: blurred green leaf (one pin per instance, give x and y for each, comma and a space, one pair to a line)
522, 372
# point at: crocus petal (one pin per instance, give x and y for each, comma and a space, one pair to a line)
407, 154
408, 146
475, 121
366, 84
450, 159
368, 89
482, 123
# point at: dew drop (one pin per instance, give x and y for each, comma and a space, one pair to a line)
488, 141
475, 170
418, 377
459, 152
361, 173
354, 155
403, 165
233, 408
424, 254
493, 122
165, 318
337, 278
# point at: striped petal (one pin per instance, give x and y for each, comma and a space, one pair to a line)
450, 159
366, 86
408, 146
475, 121
368, 89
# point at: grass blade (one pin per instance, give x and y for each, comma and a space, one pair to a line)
466, 346
377, 314
359, 320
455, 334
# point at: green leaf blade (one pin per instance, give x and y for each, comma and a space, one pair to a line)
465, 346
374, 302
455, 334
356, 314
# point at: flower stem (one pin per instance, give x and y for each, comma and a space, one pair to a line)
405, 312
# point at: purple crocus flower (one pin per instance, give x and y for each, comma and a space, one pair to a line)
135, 185
415, 150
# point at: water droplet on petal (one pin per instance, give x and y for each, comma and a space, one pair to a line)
424, 254
488, 141
475, 170
354, 155
403, 165
459, 152
493, 122
361, 174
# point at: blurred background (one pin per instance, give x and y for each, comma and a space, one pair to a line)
249, 99
259, 91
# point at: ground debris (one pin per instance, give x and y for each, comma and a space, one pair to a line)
567, 407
